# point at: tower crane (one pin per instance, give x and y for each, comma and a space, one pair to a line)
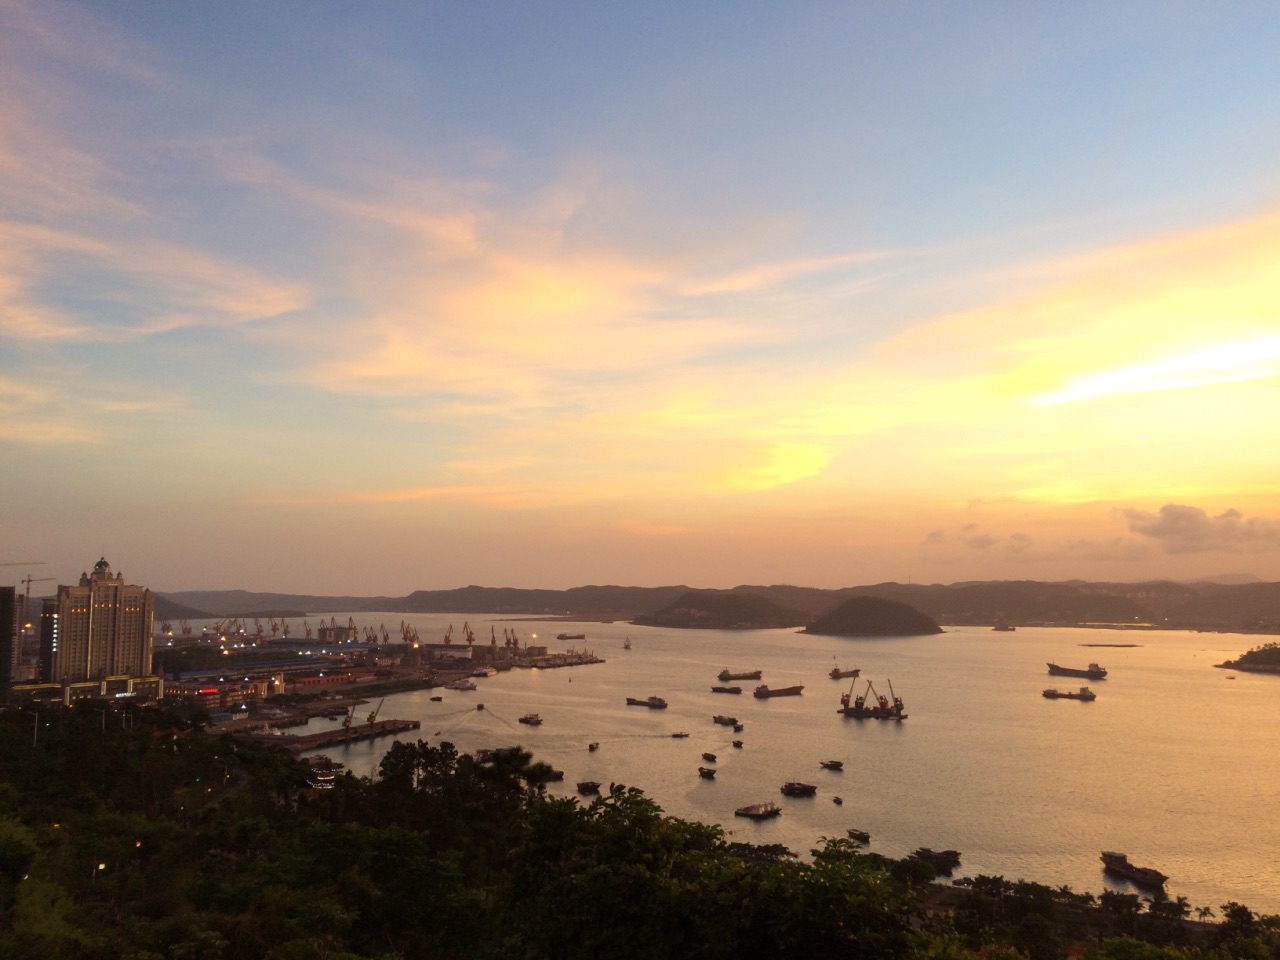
26, 602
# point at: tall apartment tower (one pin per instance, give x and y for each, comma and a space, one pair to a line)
100, 628
8, 640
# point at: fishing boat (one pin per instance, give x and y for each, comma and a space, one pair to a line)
588, 787
763, 691
725, 721
1118, 863
653, 703
726, 675
726, 689
838, 801
532, 719
707, 773
436, 699
737, 744
793, 788
872, 706
1091, 672
709, 757
838, 674
1084, 693
831, 764
593, 746
758, 811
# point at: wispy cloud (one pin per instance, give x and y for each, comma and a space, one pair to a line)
1180, 528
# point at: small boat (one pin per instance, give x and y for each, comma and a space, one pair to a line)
709, 757
737, 744
588, 787
707, 773
726, 689
763, 691
626, 644
653, 703
436, 699
860, 835
838, 801
1084, 693
838, 674
479, 706
737, 728
463, 684
758, 811
725, 721
831, 764
532, 719
1091, 672
1003, 626
593, 746
793, 788
571, 636
725, 675
679, 736
1118, 863
555, 776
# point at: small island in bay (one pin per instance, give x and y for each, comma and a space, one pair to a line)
1263, 659
874, 617
722, 610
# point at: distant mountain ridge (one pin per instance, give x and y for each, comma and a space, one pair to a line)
1240, 607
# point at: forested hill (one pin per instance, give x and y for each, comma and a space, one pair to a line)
1247, 607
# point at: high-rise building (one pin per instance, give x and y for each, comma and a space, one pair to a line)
98, 629
8, 640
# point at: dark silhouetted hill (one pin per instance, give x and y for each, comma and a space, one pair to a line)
722, 610
1203, 605
874, 617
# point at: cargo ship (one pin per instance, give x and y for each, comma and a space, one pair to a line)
1119, 864
749, 675
763, 691
1084, 693
870, 705
653, 703
838, 674
1091, 672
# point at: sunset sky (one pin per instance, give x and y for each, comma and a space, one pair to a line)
374, 297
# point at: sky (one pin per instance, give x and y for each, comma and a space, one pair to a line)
340, 298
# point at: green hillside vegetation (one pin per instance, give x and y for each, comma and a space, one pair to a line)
874, 617
131, 833
722, 610
1263, 659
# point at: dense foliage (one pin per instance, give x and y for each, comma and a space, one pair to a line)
134, 834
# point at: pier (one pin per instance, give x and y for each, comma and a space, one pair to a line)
343, 735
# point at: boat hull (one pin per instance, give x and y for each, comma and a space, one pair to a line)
1092, 672
762, 692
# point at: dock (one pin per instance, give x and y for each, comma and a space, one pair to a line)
343, 735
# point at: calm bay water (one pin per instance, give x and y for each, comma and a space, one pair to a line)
1174, 763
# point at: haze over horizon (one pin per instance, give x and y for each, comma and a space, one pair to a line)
369, 299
